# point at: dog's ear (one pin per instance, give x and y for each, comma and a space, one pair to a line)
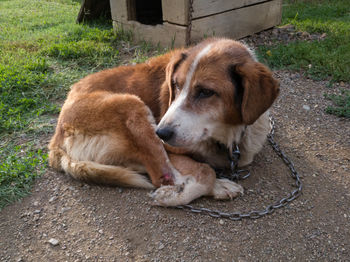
256, 89
175, 61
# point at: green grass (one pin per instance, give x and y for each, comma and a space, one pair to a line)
42, 52
18, 169
327, 59
341, 103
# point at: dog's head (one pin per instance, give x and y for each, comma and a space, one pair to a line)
213, 86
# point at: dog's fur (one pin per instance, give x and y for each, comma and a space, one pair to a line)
215, 92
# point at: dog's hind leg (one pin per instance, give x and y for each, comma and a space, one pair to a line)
103, 174
113, 130
149, 149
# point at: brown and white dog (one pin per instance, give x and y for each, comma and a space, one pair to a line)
209, 94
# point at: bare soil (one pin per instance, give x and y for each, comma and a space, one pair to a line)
95, 223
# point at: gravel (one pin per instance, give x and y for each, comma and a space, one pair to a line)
282, 35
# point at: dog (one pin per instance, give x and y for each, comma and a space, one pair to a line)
174, 117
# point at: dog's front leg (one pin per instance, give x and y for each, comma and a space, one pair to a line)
194, 180
149, 149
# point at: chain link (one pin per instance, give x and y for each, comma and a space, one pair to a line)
237, 175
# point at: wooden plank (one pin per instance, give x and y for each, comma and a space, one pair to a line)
239, 22
167, 35
131, 9
175, 11
119, 10
209, 7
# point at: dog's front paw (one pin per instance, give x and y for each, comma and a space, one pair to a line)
167, 195
226, 189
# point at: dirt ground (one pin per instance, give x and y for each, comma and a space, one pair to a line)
95, 223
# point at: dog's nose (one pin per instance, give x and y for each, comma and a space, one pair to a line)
165, 133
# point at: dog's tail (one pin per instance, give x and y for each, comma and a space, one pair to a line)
98, 173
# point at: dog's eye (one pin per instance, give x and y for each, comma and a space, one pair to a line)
204, 93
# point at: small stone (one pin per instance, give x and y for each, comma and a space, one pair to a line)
36, 203
111, 238
65, 209
100, 231
37, 211
342, 84
221, 222
306, 107
54, 242
52, 199
161, 246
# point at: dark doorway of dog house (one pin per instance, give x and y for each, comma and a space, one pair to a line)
145, 12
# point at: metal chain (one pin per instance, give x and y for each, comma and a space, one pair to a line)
189, 26
254, 214
235, 174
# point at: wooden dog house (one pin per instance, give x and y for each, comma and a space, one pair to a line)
182, 22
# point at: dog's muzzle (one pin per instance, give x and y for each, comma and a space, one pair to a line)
165, 133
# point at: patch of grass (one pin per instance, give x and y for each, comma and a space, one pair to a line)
88, 46
143, 52
326, 59
18, 168
341, 102
22, 91
323, 59
320, 60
